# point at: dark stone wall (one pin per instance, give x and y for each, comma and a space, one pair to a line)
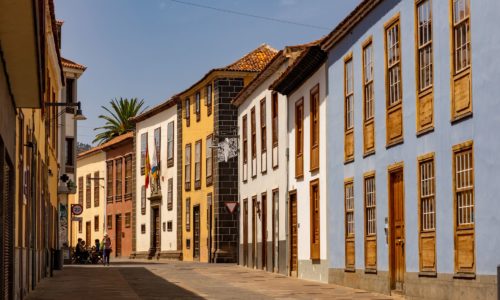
226, 173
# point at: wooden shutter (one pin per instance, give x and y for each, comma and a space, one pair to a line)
299, 138
348, 109
368, 99
370, 222
350, 251
314, 159
315, 224
427, 213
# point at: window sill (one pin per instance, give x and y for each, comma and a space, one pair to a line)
350, 270
315, 169
461, 117
369, 153
170, 163
464, 276
348, 160
394, 142
427, 274
424, 131
370, 271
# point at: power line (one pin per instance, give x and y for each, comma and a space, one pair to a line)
248, 15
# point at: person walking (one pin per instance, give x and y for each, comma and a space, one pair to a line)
107, 249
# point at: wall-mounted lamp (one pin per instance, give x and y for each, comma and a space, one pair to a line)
78, 115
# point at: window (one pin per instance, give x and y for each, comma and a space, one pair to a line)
157, 137
80, 190
253, 141
299, 138
109, 221
170, 144
208, 99
88, 191
169, 226
70, 148
80, 226
370, 223
394, 94
209, 163
263, 132
461, 60
274, 114
368, 99
188, 214
349, 225
143, 200
96, 223
127, 220
97, 185
170, 194
314, 160
143, 228
187, 115
463, 181
128, 177
118, 180
109, 181
197, 165
197, 106
315, 216
144, 148
245, 147
427, 213
69, 90
349, 95
187, 168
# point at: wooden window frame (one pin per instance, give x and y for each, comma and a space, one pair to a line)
274, 128
209, 164
128, 179
80, 190
349, 148
187, 111
349, 236
299, 138
370, 237
144, 142
170, 194
109, 221
315, 103
118, 180
394, 109
208, 99
368, 98
88, 191
315, 256
143, 200
170, 144
253, 141
127, 220
461, 231
157, 142
425, 93
244, 129
197, 105
188, 214
96, 223
426, 235
80, 226
96, 189
187, 166
197, 164
461, 87
263, 135
109, 181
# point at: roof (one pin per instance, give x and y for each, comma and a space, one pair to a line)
154, 110
59, 22
345, 26
71, 64
303, 67
255, 61
115, 141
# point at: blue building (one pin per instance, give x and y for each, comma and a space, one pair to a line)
413, 164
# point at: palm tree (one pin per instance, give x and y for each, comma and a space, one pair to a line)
117, 122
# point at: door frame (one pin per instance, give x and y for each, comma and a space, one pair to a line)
263, 203
88, 233
254, 232
118, 235
245, 232
290, 224
198, 208
393, 169
153, 248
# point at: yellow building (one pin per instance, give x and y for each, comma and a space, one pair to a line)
209, 228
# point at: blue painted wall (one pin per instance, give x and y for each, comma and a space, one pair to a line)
483, 128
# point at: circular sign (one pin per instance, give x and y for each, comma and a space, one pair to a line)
76, 209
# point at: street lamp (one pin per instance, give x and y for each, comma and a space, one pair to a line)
78, 115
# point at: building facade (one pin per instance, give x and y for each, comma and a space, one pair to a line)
209, 183
411, 156
157, 211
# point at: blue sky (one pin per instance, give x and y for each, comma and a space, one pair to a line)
152, 49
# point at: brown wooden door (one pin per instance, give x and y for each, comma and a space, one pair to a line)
397, 230
156, 230
88, 234
196, 233
254, 232
264, 231
315, 227
293, 236
118, 235
245, 232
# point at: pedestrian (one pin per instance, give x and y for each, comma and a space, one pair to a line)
97, 245
107, 248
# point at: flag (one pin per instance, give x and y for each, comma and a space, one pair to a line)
154, 166
147, 168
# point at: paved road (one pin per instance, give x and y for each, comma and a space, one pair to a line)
183, 280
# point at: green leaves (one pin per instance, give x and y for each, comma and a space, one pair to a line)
117, 119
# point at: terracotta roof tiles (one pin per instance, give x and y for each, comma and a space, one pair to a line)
254, 61
108, 144
71, 64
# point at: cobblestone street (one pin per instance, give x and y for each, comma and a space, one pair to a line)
182, 280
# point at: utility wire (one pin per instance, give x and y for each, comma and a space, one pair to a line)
248, 15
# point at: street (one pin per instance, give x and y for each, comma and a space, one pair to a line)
141, 279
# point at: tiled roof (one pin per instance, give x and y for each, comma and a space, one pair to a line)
71, 64
108, 144
254, 61
154, 110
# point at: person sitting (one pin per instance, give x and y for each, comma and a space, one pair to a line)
78, 250
97, 245
85, 253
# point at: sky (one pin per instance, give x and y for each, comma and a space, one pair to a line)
153, 49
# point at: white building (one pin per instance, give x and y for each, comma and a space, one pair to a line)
157, 215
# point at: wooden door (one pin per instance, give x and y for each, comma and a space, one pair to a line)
88, 234
196, 233
264, 231
245, 232
118, 235
293, 236
397, 229
254, 232
275, 235
315, 227
156, 244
